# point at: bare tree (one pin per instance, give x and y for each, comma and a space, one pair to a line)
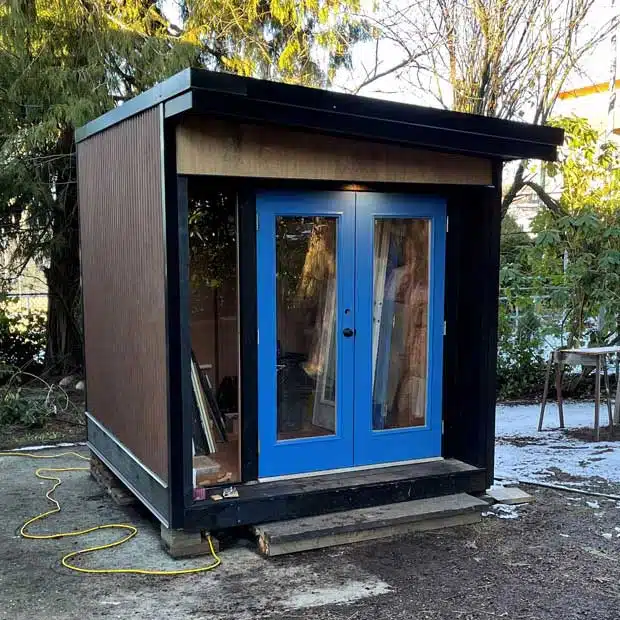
503, 58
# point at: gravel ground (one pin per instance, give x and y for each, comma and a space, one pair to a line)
557, 558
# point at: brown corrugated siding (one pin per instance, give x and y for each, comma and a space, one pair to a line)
123, 271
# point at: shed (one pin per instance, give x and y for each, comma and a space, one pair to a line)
290, 297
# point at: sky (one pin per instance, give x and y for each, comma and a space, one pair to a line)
594, 69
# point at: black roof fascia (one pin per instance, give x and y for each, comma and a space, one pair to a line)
227, 95
412, 134
327, 100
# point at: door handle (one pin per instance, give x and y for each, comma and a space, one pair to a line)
347, 332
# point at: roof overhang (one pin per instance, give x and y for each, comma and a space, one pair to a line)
227, 96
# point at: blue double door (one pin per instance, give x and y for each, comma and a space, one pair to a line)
350, 318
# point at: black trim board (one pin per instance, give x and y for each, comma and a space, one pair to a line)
159, 93
471, 300
180, 400
248, 327
137, 478
491, 319
302, 497
246, 99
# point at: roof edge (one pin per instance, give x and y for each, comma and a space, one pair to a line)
231, 96
174, 85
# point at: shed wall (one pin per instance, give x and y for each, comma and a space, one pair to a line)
123, 279
224, 148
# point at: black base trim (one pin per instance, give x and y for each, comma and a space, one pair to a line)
303, 497
144, 486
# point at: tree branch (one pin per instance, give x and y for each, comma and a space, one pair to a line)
550, 203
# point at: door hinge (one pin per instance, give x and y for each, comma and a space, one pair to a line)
257, 222
445, 328
447, 223
257, 337
442, 426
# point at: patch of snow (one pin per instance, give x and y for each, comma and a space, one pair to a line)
49, 446
521, 452
503, 511
593, 504
336, 595
606, 535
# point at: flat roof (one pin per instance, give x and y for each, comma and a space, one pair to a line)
225, 95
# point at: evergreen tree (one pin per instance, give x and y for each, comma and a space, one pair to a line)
64, 62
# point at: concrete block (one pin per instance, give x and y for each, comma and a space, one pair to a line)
180, 544
509, 495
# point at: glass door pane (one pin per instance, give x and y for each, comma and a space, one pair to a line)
306, 326
400, 322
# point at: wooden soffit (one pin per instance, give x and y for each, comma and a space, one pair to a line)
224, 148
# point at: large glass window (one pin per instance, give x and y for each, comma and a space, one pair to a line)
214, 332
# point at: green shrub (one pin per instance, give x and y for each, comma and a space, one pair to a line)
28, 400
22, 337
24, 407
520, 361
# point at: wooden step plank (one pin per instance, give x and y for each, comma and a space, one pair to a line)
363, 477
338, 528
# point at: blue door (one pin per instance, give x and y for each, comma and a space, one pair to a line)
400, 258
306, 304
350, 316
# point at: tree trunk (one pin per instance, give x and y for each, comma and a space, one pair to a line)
64, 349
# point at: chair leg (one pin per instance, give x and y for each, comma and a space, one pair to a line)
597, 399
608, 391
545, 392
558, 388
617, 404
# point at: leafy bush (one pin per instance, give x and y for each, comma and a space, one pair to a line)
520, 362
27, 400
22, 337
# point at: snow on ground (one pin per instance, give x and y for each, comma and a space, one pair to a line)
522, 453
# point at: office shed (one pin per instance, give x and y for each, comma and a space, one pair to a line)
290, 297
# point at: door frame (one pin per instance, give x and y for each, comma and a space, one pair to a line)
355, 444
297, 456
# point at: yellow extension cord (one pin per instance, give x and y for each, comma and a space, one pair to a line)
131, 529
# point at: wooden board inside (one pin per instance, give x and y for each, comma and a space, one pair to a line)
224, 148
220, 467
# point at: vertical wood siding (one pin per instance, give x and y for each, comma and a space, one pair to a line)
123, 272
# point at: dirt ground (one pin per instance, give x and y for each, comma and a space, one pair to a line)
557, 559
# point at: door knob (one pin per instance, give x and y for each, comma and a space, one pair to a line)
347, 332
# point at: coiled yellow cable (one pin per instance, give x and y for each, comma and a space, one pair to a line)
125, 527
